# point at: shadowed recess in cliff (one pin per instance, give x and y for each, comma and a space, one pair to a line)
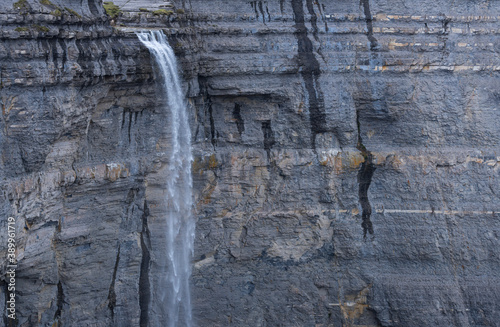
208, 111
310, 71
365, 175
369, 24
60, 302
367, 168
321, 10
144, 287
112, 293
258, 6
213, 132
268, 137
314, 24
314, 19
240, 124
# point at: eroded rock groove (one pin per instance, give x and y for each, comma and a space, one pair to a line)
369, 24
144, 285
310, 71
365, 175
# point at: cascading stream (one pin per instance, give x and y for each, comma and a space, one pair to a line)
179, 221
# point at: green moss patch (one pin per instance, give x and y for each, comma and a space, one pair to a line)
57, 13
42, 29
111, 9
163, 12
21, 5
72, 12
38, 28
22, 29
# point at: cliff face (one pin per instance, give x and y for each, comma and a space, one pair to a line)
346, 162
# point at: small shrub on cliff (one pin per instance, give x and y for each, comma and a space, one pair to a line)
42, 29
57, 12
72, 12
21, 5
111, 9
144, 9
163, 12
21, 29
180, 11
212, 162
38, 28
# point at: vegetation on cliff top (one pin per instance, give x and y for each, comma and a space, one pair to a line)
38, 28
163, 12
57, 12
46, 3
72, 12
21, 5
111, 9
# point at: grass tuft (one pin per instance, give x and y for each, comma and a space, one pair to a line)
21, 5
42, 29
46, 3
111, 9
72, 12
163, 12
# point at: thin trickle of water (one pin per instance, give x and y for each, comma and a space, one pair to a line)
180, 223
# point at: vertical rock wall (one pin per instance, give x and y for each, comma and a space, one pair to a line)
353, 169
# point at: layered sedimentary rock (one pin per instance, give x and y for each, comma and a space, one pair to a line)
346, 162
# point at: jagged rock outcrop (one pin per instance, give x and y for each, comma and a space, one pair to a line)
346, 161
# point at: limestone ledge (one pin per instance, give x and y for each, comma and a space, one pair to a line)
48, 181
339, 160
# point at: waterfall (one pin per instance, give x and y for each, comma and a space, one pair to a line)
180, 225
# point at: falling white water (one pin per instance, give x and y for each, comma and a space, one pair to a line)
180, 223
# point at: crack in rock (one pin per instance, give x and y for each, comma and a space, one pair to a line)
310, 71
144, 286
60, 302
369, 24
112, 293
365, 176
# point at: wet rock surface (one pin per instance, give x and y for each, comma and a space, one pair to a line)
346, 164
